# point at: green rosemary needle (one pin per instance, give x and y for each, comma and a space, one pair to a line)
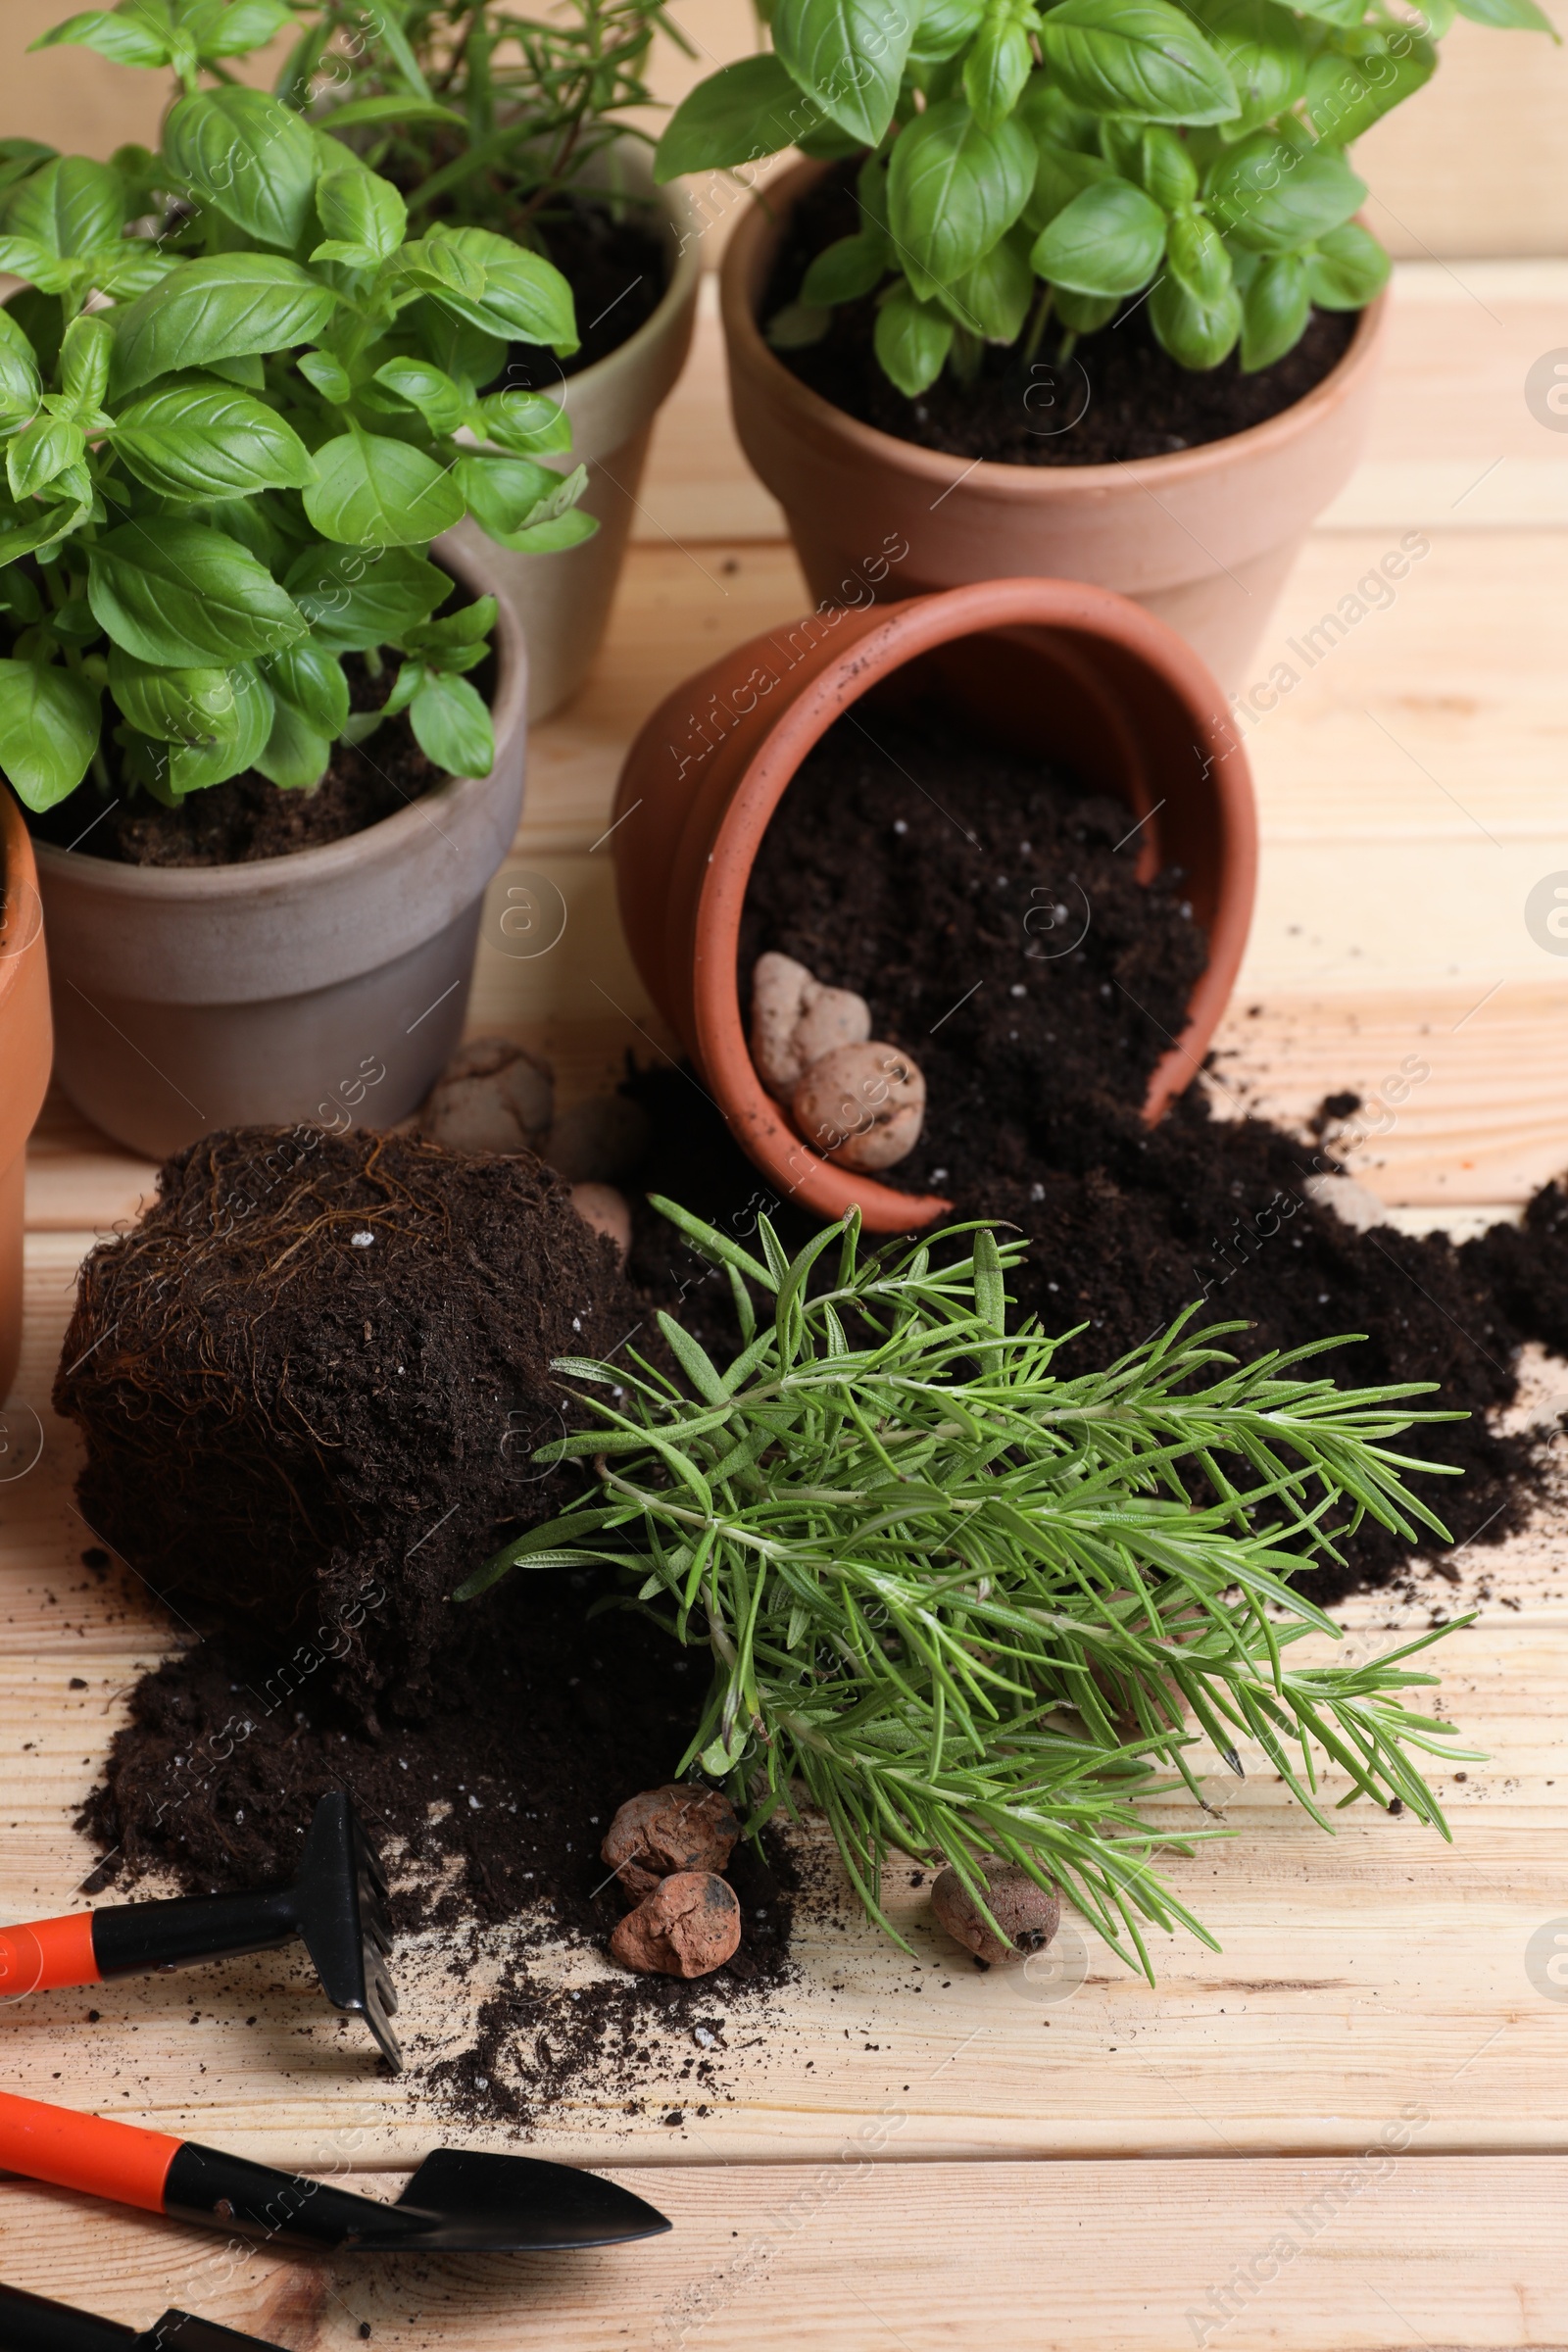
964, 1606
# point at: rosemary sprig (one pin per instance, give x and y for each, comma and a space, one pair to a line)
967, 1606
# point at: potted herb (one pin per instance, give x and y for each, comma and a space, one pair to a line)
1084, 293
236, 695
487, 118
25, 1046
966, 1607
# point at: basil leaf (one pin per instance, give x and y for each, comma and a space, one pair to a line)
737, 116
1085, 313
1196, 333
845, 271
194, 766
84, 354
1108, 241
451, 726
1264, 55
1198, 257
1348, 268
553, 538
443, 404
509, 495
19, 382
355, 114
68, 209
355, 600
465, 352
1508, 16
1274, 198
954, 190
1167, 170
248, 156
496, 286
943, 28
912, 339
25, 535
310, 679
1062, 173
210, 441
1275, 310
194, 706
371, 491
1347, 14
523, 421
992, 298
41, 452
362, 214
48, 730
848, 55
183, 596
246, 24
222, 307
296, 755
131, 36
1346, 95
1136, 57
997, 69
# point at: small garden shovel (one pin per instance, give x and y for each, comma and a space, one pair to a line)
30, 2324
459, 2202
336, 1907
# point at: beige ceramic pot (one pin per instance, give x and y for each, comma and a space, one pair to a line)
1203, 537
564, 601
25, 1046
327, 987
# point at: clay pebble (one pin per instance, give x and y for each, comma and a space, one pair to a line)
608, 1211
689, 1925
492, 1097
865, 1104
796, 1020
682, 1827
1029, 1914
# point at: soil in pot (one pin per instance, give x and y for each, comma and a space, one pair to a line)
1118, 396
311, 1378
249, 818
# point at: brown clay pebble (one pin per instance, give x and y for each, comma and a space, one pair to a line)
608, 1211
491, 1096
863, 1103
689, 1925
679, 1827
1030, 1916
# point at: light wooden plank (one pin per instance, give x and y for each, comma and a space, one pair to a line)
853, 2256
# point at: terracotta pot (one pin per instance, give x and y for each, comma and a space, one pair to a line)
328, 987
1072, 671
564, 601
1203, 537
25, 1048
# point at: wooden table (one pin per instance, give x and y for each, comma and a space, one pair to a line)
966, 2160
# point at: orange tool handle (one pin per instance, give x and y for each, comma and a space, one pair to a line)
89, 2152
48, 1953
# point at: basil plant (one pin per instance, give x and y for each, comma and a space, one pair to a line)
237, 402
1025, 163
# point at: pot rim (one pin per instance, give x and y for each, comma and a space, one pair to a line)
989, 477
900, 633
328, 860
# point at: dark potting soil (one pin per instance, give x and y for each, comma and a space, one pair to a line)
311, 1378
1117, 395
249, 818
544, 1721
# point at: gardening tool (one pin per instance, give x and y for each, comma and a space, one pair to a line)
336, 1907
32, 2324
459, 2202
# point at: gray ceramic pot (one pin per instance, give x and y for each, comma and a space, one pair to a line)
564, 601
327, 987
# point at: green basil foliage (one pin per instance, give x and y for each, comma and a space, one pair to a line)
1023, 165
238, 399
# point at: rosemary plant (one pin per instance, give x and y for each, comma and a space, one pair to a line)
967, 1606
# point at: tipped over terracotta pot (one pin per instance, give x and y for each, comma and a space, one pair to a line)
1072, 671
26, 1047
1203, 537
